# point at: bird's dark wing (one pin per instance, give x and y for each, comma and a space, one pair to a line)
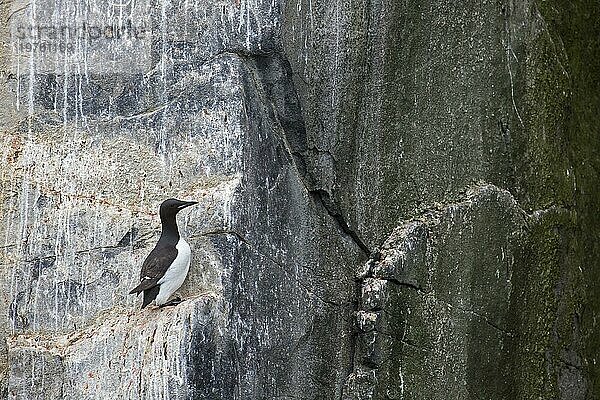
154, 267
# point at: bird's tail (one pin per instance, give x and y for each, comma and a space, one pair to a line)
150, 295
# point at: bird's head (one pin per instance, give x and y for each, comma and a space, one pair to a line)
170, 207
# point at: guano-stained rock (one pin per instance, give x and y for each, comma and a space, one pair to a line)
397, 200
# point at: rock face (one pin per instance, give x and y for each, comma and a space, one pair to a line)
396, 201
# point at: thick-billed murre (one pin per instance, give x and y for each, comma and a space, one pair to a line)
167, 265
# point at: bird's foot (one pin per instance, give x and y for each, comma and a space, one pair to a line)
172, 302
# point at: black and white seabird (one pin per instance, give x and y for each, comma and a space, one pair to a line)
167, 265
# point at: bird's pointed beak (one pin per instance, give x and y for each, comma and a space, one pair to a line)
187, 204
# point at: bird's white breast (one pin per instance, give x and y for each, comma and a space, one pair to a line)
176, 273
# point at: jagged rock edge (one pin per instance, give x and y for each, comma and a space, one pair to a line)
430, 216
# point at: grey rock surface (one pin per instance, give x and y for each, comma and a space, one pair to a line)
422, 331
396, 201
112, 358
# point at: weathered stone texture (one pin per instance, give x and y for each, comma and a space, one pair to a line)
396, 201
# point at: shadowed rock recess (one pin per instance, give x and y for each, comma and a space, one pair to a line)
397, 200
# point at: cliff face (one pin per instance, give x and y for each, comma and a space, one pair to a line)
395, 200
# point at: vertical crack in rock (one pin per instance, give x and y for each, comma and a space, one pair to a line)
272, 75
294, 131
